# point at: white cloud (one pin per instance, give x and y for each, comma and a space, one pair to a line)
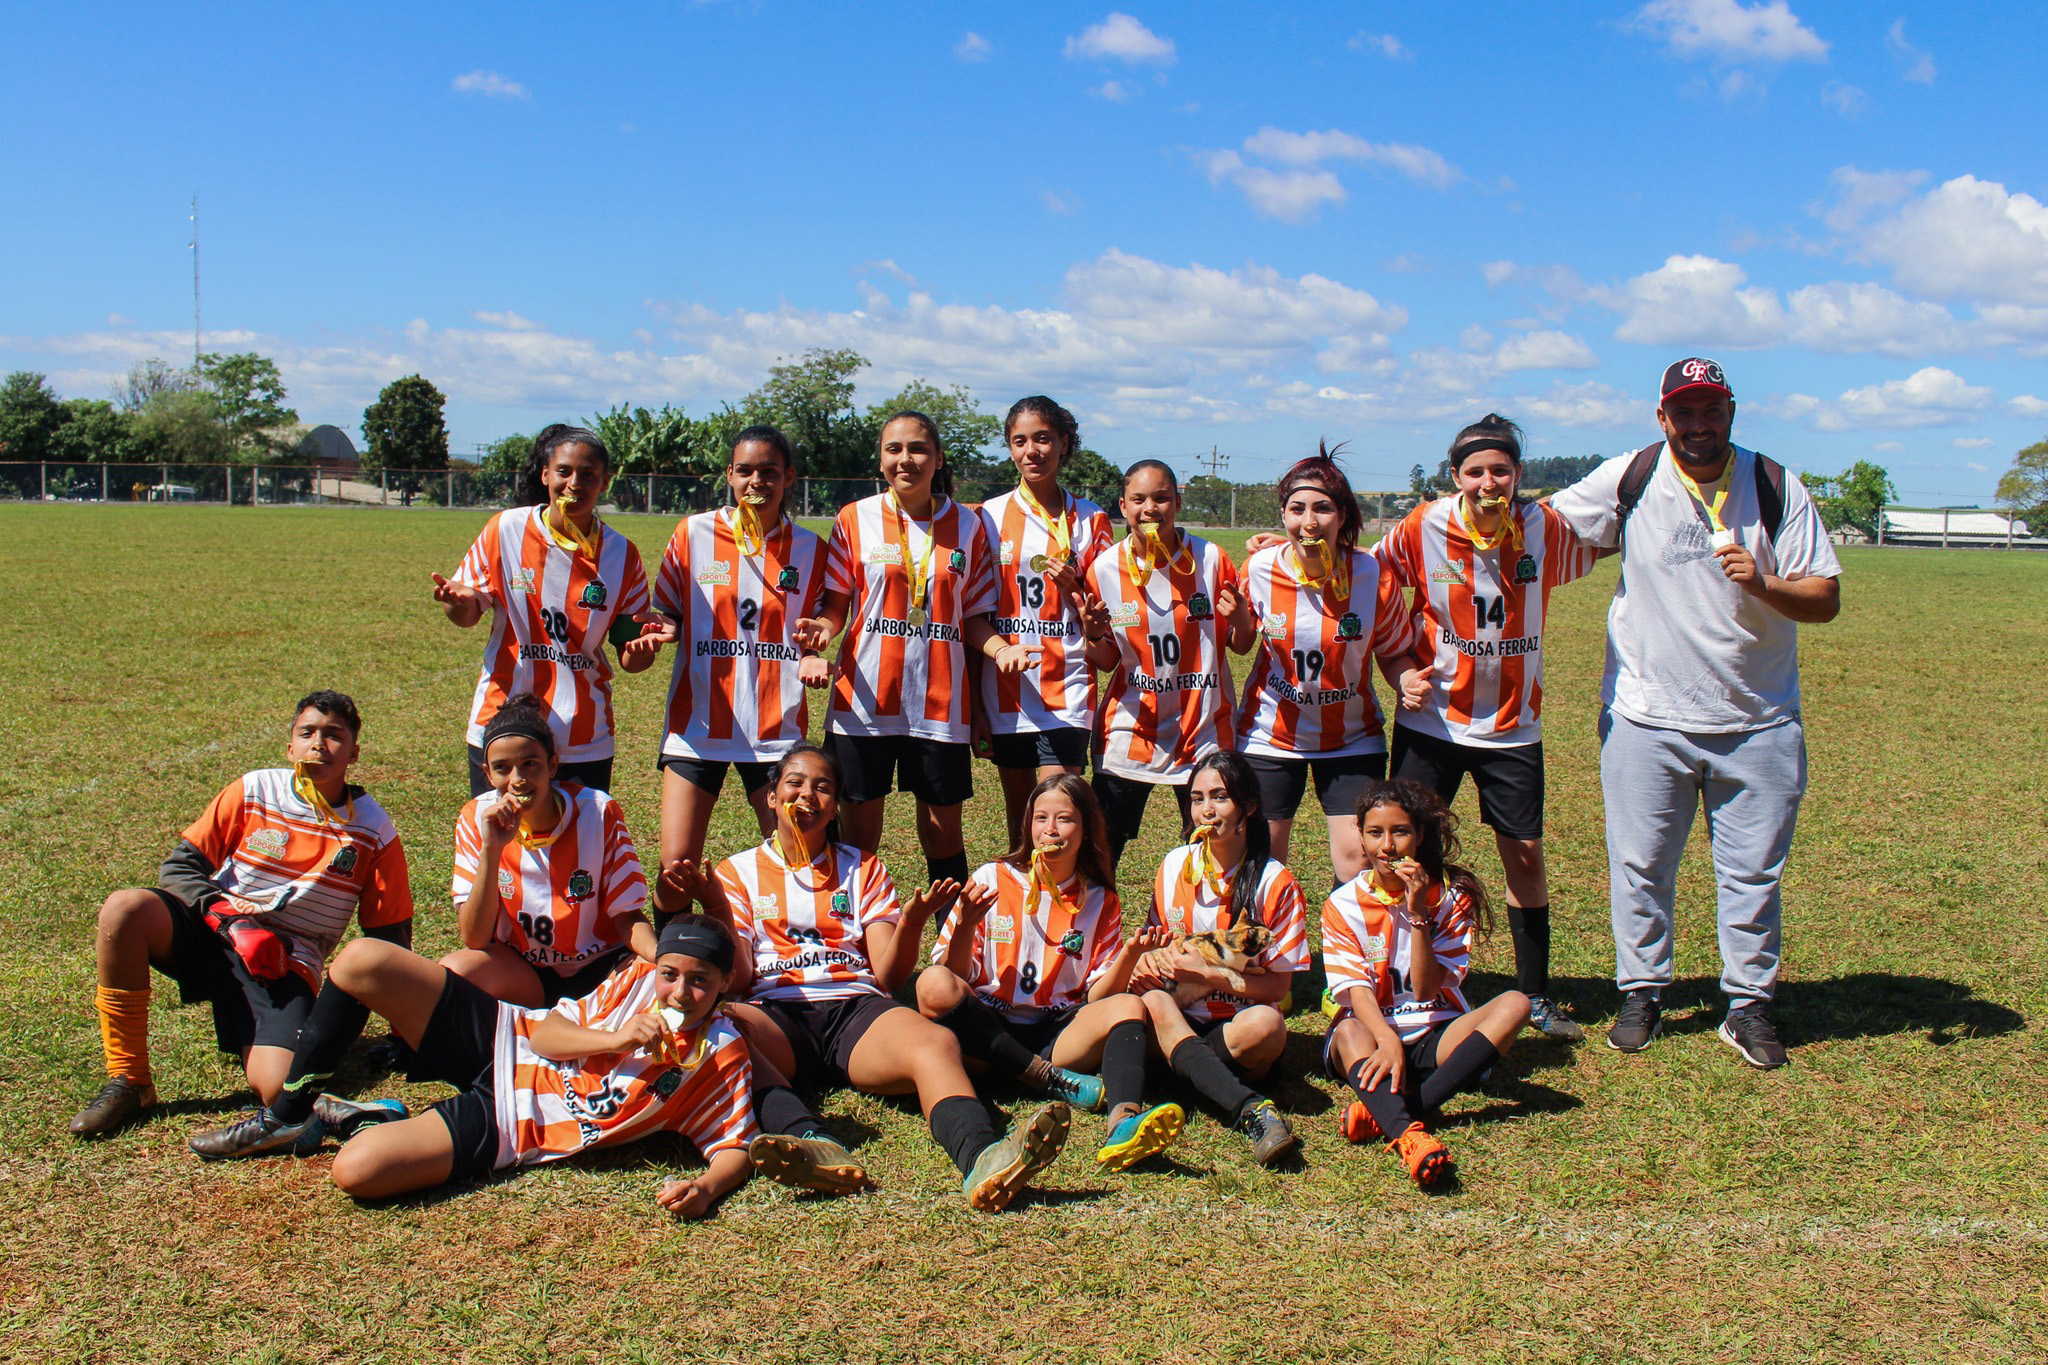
1858, 194
1914, 65
1298, 183
1698, 302
1727, 30
972, 47
1585, 405
1841, 317
489, 84
1475, 338
1114, 91
1967, 238
1419, 164
1292, 196
1386, 44
509, 321
1929, 397
1847, 100
1889, 447
1235, 313
1121, 38
1972, 443
1545, 350
2026, 405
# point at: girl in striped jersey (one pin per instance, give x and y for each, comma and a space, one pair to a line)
732, 587
1173, 608
1036, 723
559, 585
823, 942
548, 889
913, 574
1397, 942
1031, 975
646, 1051
1215, 1031
1482, 563
1324, 611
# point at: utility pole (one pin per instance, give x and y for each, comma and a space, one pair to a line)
195, 283
1217, 462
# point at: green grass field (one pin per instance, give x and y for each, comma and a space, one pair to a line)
1880, 1199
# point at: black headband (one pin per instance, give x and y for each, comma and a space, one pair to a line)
701, 939
520, 721
1478, 443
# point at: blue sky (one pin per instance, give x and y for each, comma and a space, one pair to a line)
1193, 225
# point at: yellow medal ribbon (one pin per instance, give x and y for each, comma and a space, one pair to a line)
302, 783
802, 848
569, 535
1143, 553
670, 1047
919, 568
1201, 869
1055, 527
746, 526
1509, 534
1719, 488
1335, 579
528, 839
1042, 882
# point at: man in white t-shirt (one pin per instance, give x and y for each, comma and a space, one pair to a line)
1724, 554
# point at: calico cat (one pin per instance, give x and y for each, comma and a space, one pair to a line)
1227, 950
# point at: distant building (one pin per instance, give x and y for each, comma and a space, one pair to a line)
328, 447
1954, 527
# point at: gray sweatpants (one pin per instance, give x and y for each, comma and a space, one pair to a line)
1653, 780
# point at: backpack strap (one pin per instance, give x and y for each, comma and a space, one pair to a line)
1634, 480
1770, 494
1770, 489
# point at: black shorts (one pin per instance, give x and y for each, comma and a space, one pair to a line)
555, 987
1420, 1055
1339, 782
1123, 801
246, 1012
823, 1033
1066, 747
1041, 1034
457, 1048
708, 774
934, 771
1509, 781
595, 773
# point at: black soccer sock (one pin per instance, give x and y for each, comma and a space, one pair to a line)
781, 1110
1529, 926
1388, 1109
1197, 1063
1221, 1048
1123, 1064
334, 1023
953, 865
982, 1036
1452, 1074
961, 1126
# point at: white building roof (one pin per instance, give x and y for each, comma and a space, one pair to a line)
1958, 523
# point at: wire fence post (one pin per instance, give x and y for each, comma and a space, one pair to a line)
231, 485
1233, 507
1944, 528
383, 488
164, 479
451, 487
103, 481
43, 473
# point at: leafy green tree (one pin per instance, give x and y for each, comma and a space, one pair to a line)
1557, 471
146, 380
249, 401
2023, 489
30, 416
94, 431
664, 441
506, 455
1854, 497
810, 400
182, 426
967, 431
1084, 469
1418, 482
403, 429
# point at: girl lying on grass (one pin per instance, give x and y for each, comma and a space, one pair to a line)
823, 941
647, 1051
1397, 942
548, 888
1031, 974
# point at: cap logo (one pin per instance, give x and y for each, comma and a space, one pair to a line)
1703, 372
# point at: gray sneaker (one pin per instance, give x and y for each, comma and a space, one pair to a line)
1547, 1019
1749, 1031
260, 1134
1640, 1021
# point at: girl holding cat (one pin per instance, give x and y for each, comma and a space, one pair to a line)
1032, 973
1397, 942
1241, 933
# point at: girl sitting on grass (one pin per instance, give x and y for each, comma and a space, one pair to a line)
1031, 974
823, 942
646, 1051
548, 887
1397, 942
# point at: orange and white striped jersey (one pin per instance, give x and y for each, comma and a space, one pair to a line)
1030, 610
1366, 944
807, 927
733, 694
547, 1110
297, 875
1181, 906
1033, 959
1168, 703
550, 611
569, 901
1479, 618
1309, 692
899, 674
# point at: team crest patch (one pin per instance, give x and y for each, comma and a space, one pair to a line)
593, 595
1006, 553
1275, 626
521, 580
842, 905
1447, 573
1525, 569
717, 572
957, 561
786, 580
1199, 608
508, 884
668, 1082
581, 884
883, 554
344, 860
271, 843
1126, 614
1349, 627
1073, 943
1002, 928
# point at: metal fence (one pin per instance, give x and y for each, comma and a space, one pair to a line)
1234, 506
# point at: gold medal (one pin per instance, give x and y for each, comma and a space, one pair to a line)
915, 616
1040, 563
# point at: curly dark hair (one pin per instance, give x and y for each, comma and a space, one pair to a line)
1436, 835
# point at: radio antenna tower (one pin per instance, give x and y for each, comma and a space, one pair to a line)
195, 282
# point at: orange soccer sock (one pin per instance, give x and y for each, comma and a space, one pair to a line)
124, 1032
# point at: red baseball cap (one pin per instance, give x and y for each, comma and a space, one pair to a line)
1695, 372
